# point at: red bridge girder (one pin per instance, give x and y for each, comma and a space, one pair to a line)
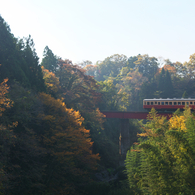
131, 115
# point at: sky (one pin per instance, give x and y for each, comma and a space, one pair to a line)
93, 30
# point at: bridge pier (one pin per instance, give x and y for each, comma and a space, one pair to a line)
124, 140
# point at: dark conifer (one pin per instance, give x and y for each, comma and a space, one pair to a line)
168, 85
49, 61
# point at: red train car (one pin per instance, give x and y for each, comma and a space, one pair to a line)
168, 104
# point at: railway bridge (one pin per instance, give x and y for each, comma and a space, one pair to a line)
124, 138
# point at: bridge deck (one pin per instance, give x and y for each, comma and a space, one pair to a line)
132, 115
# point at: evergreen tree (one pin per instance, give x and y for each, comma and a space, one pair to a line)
34, 71
10, 59
49, 61
18, 60
169, 91
161, 84
165, 85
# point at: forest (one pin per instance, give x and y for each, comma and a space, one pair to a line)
54, 138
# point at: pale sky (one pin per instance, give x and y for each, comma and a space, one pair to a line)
95, 29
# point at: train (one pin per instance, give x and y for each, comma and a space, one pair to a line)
169, 103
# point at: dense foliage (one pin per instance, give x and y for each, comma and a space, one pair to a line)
163, 161
128, 81
54, 138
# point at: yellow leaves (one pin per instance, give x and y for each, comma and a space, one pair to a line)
158, 125
14, 124
51, 81
4, 101
177, 123
76, 115
64, 133
99, 116
142, 134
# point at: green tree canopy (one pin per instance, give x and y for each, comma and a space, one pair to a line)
49, 61
162, 162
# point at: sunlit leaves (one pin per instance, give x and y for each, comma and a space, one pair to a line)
78, 90
4, 101
166, 155
178, 123
51, 81
67, 141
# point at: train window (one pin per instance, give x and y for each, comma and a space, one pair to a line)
170, 103
162, 103
151, 103
166, 103
148, 103
194, 103
144, 103
159, 103
155, 102
190, 102
183, 103
187, 103
175, 103
179, 103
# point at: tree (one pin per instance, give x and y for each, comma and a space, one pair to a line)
10, 59
110, 67
18, 59
110, 97
169, 90
84, 63
131, 85
190, 66
33, 70
24, 166
165, 160
6, 135
69, 146
51, 82
165, 84
49, 61
90, 70
147, 66
77, 88
48, 150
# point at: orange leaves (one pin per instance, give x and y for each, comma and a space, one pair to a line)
134, 78
78, 89
171, 69
68, 144
64, 133
76, 115
90, 69
4, 101
142, 134
99, 117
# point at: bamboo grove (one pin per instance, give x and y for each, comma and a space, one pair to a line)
163, 160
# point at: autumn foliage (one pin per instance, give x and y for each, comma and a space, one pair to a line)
68, 145
4, 101
163, 161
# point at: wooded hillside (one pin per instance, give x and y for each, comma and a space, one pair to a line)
55, 140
